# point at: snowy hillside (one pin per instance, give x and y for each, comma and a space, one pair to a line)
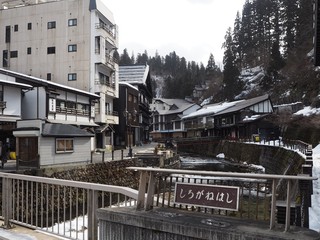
251, 77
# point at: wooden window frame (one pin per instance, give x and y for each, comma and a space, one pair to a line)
64, 145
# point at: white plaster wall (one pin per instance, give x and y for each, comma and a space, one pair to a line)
12, 97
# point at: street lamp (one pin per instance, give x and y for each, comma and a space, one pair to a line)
129, 117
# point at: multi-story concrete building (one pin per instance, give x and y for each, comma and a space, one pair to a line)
70, 42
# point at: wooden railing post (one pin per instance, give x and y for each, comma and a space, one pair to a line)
142, 190
150, 192
7, 202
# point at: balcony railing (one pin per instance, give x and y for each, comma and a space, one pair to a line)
111, 60
105, 83
72, 111
107, 28
112, 113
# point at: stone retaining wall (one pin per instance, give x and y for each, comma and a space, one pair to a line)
275, 160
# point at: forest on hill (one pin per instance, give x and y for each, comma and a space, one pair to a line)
274, 35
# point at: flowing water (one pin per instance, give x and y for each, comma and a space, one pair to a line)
202, 163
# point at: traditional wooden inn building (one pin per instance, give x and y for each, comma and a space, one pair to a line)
238, 119
57, 122
127, 133
139, 77
10, 108
167, 117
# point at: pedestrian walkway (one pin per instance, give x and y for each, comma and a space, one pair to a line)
122, 154
22, 233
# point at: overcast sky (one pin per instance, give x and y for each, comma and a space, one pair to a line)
191, 28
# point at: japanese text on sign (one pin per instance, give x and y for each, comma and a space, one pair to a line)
213, 196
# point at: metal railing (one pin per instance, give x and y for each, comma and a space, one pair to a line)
258, 194
60, 207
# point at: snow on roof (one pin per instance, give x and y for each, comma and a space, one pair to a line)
136, 74
227, 107
21, 85
128, 85
181, 104
211, 109
245, 103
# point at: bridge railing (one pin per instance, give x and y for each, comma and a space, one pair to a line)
257, 192
60, 207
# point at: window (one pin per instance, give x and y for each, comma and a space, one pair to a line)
5, 58
29, 50
29, 26
16, 28
72, 48
8, 34
49, 76
72, 22
135, 99
72, 76
130, 98
13, 54
51, 25
51, 50
64, 145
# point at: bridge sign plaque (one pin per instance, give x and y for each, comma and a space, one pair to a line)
211, 196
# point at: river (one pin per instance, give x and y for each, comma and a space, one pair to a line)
197, 162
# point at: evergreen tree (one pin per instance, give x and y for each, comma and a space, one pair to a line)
125, 59
238, 40
142, 59
288, 17
231, 83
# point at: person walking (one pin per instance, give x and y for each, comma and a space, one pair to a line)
4, 153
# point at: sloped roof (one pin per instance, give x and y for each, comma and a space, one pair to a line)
136, 74
38, 81
246, 103
63, 130
181, 105
227, 107
211, 109
19, 85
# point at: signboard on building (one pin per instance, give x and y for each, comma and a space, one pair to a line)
210, 196
52, 105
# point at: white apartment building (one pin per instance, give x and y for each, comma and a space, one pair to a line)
70, 42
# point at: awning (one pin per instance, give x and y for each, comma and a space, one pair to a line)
9, 119
103, 128
26, 132
63, 130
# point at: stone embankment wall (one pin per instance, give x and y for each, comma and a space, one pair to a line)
110, 173
275, 160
